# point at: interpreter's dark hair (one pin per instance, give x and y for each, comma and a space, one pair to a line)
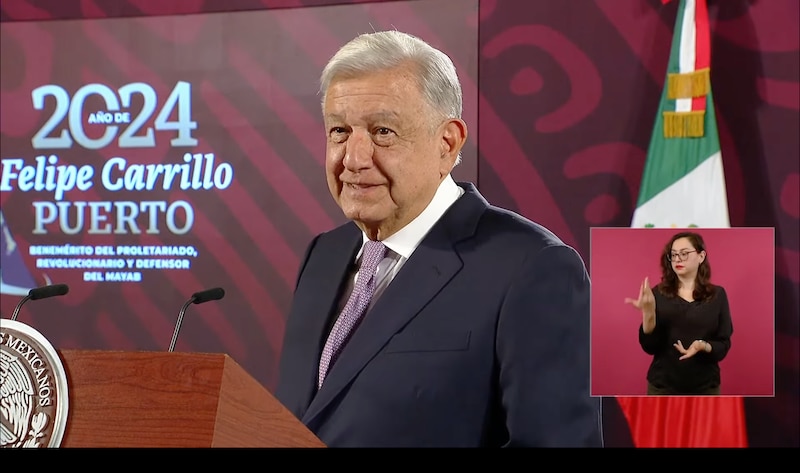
703, 289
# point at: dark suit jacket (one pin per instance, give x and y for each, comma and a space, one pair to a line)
482, 339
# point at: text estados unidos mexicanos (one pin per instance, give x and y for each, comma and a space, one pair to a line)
39, 367
199, 172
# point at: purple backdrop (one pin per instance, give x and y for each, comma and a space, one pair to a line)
564, 96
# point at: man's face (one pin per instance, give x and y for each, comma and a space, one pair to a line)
387, 150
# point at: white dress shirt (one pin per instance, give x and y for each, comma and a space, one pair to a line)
402, 244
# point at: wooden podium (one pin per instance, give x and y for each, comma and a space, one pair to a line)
169, 399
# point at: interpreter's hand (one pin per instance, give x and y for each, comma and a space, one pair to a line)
696, 347
646, 301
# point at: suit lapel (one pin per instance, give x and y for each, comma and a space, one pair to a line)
431, 266
333, 268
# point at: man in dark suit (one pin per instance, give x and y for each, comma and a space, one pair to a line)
432, 319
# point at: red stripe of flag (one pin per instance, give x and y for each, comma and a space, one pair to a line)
702, 57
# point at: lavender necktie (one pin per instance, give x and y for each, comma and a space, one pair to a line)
355, 307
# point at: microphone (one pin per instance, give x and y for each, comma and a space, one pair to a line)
214, 294
41, 293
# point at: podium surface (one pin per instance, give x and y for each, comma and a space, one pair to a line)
169, 399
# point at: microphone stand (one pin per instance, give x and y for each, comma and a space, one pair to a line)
178, 323
19, 306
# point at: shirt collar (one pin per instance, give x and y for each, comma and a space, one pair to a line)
406, 240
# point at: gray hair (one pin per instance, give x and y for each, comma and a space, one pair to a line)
371, 52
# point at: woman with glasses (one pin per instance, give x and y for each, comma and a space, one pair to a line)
686, 322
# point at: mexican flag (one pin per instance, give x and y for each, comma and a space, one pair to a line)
683, 185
